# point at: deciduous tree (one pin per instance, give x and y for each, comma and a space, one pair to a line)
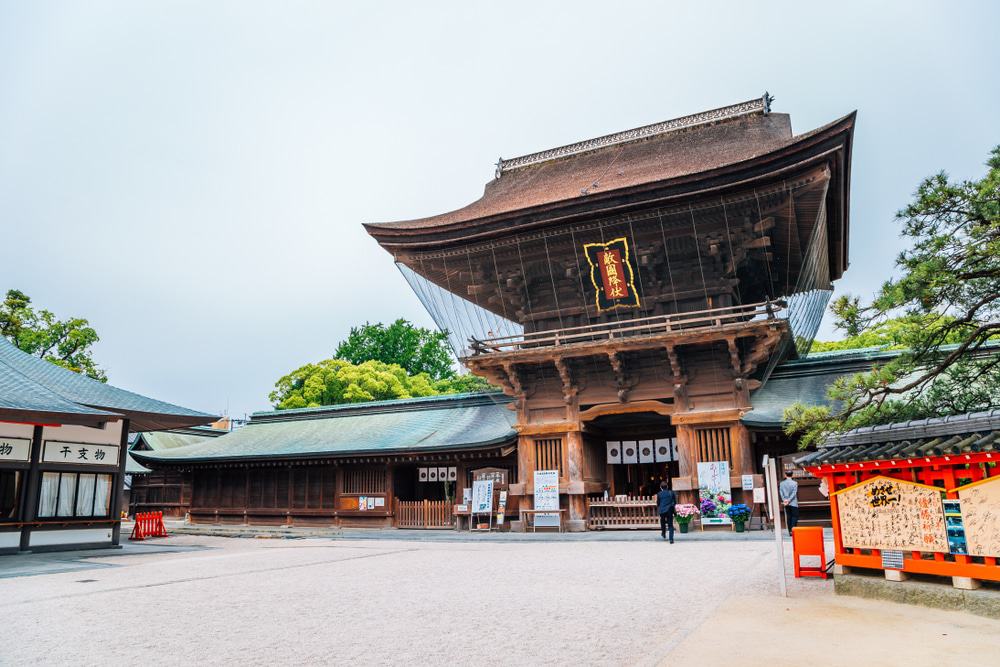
415, 349
66, 343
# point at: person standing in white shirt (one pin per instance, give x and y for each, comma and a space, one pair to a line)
789, 492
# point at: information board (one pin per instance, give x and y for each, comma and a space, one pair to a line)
981, 516
886, 513
547, 497
482, 496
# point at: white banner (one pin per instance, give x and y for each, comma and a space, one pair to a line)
714, 492
79, 453
614, 452
547, 496
15, 449
482, 496
630, 452
646, 454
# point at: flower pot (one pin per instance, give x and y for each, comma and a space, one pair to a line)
684, 526
739, 525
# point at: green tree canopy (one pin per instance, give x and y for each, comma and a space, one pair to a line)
415, 349
943, 311
335, 381
66, 343
892, 334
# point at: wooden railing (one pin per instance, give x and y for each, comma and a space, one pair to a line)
640, 326
630, 512
423, 514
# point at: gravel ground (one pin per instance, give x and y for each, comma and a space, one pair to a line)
317, 601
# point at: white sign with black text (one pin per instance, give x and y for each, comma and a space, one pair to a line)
15, 449
78, 453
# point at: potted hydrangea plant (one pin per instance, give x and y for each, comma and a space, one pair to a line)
684, 513
739, 514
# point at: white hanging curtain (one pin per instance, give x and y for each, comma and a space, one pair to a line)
49, 494
102, 495
67, 494
85, 496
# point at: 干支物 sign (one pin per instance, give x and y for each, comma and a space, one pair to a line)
78, 453
15, 449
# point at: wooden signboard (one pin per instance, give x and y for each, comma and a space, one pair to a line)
497, 475
886, 513
981, 516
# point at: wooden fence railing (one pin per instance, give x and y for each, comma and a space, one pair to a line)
630, 513
424, 514
640, 326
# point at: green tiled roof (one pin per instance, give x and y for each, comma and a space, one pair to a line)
18, 370
162, 440
20, 396
807, 379
438, 423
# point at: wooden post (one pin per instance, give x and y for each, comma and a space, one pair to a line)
576, 498
771, 472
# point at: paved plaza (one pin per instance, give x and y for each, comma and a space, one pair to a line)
216, 600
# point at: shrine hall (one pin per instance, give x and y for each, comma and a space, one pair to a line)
639, 286
644, 303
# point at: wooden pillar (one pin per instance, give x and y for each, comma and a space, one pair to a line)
119, 488
742, 452
576, 498
30, 492
686, 483
526, 464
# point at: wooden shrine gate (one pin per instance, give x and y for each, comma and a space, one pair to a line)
424, 514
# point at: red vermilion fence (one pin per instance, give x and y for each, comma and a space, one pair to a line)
148, 524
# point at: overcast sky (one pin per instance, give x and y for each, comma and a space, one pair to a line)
192, 176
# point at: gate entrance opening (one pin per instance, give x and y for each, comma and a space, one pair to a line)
641, 452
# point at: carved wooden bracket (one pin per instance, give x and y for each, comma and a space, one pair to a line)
570, 390
763, 347
675, 365
734, 356
621, 381
514, 380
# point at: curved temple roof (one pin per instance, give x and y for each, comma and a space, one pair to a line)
736, 146
434, 424
32, 389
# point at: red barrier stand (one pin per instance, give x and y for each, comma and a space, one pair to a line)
148, 524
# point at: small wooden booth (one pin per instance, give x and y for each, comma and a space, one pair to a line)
920, 497
63, 439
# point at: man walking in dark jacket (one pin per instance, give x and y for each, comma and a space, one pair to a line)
666, 500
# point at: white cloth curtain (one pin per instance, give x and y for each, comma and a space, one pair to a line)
85, 496
50, 491
102, 495
67, 494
